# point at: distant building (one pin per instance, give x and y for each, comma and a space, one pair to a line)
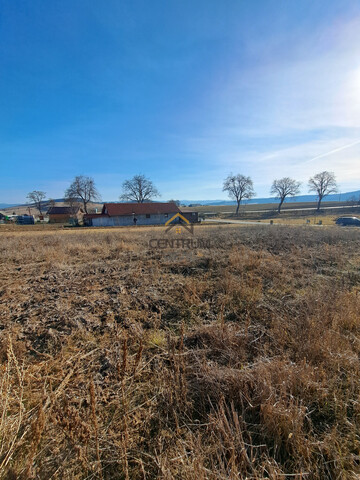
191, 215
65, 214
126, 214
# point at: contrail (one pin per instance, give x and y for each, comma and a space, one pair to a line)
335, 150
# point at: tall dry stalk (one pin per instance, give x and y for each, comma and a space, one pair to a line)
36, 431
95, 426
11, 405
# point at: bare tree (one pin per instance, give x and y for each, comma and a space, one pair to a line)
37, 198
139, 189
238, 188
284, 187
73, 204
323, 183
82, 188
177, 202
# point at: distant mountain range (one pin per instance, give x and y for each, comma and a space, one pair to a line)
343, 197
11, 205
337, 197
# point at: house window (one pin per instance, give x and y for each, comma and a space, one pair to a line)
193, 213
166, 215
148, 215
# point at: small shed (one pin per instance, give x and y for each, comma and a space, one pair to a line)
65, 214
191, 215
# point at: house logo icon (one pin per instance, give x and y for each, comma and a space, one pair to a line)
178, 221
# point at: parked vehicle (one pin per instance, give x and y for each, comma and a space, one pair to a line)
25, 220
348, 221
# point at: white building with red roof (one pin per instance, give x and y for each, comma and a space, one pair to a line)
125, 214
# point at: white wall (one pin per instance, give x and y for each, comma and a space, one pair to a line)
124, 220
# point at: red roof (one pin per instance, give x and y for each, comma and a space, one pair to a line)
115, 209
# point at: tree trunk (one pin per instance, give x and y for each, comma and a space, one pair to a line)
280, 204
319, 203
238, 206
85, 207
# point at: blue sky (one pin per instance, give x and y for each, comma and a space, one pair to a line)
182, 91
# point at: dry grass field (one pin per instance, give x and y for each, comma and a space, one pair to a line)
240, 361
292, 213
246, 209
313, 220
32, 210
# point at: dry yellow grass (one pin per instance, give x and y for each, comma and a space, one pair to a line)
310, 220
122, 362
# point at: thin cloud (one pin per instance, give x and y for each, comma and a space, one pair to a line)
335, 150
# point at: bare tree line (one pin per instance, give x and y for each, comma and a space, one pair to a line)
140, 189
82, 190
240, 187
